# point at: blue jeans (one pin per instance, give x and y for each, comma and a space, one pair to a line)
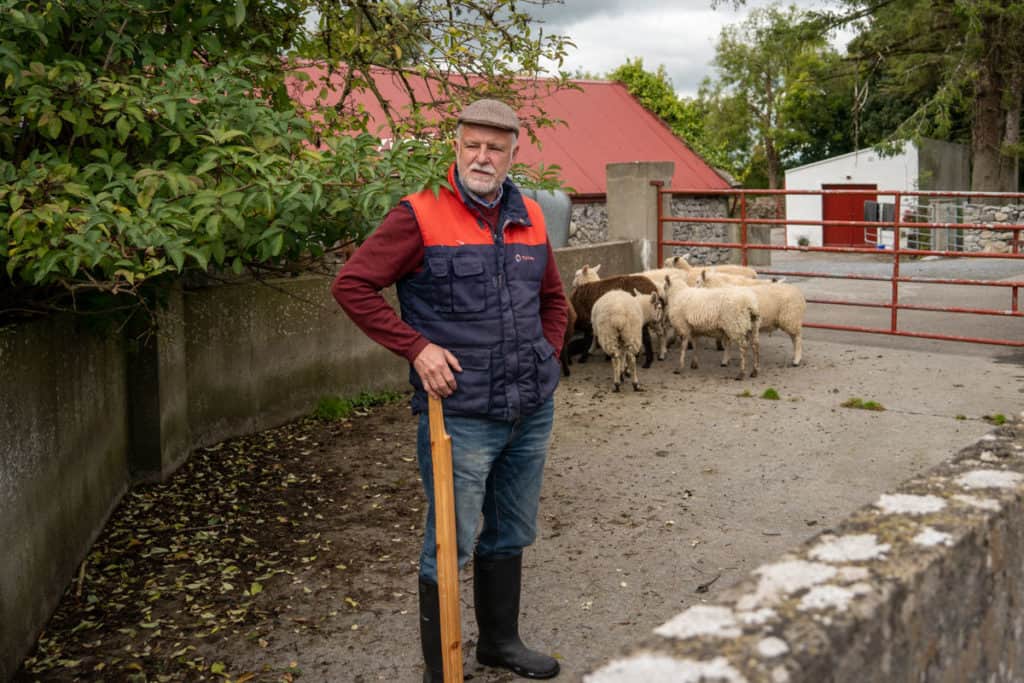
498, 469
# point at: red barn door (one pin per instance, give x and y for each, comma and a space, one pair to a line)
845, 207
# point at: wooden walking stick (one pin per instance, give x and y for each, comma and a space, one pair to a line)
447, 545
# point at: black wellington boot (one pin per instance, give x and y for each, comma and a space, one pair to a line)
496, 590
430, 633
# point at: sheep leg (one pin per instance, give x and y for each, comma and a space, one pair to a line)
588, 343
743, 343
636, 377
725, 354
565, 360
683, 342
755, 343
798, 348
663, 343
648, 348
616, 371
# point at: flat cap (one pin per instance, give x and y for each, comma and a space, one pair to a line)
491, 113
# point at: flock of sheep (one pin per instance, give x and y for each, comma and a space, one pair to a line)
625, 314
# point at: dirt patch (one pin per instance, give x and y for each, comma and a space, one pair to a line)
254, 546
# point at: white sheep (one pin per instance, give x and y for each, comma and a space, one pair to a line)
782, 307
729, 314
619, 318
683, 263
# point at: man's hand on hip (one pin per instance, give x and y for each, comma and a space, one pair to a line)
434, 366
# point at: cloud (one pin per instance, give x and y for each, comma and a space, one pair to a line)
680, 36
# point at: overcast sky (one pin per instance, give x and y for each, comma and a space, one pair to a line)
681, 34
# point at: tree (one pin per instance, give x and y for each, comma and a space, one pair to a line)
949, 68
684, 116
767, 68
452, 50
141, 139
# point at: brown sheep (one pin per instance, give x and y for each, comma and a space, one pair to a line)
588, 288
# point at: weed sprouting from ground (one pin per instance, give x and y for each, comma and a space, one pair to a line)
861, 404
340, 408
997, 419
770, 394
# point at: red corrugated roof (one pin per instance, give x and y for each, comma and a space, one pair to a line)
608, 125
603, 124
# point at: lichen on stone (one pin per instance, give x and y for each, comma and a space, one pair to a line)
851, 548
909, 504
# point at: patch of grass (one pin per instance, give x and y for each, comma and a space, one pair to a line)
960, 417
745, 394
997, 419
340, 407
770, 394
861, 404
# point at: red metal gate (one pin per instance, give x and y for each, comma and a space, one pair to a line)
904, 222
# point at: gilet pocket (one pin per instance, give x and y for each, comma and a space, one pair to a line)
469, 284
472, 394
441, 288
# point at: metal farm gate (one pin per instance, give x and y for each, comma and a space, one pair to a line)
900, 228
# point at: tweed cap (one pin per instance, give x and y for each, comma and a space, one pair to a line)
490, 113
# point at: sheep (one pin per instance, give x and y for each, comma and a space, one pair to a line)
729, 314
587, 288
781, 305
619, 319
683, 263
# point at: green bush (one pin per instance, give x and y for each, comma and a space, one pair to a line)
141, 139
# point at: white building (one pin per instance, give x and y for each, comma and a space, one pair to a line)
862, 179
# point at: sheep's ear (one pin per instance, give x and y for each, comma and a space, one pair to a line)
597, 267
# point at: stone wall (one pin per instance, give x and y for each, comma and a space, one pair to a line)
699, 207
998, 241
925, 584
589, 223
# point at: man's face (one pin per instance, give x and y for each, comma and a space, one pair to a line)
483, 156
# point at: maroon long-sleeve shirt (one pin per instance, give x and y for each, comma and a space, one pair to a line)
394, 250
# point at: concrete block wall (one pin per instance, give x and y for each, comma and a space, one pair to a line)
925, 585
64, 438
262, 354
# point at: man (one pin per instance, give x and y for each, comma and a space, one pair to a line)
482, 322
